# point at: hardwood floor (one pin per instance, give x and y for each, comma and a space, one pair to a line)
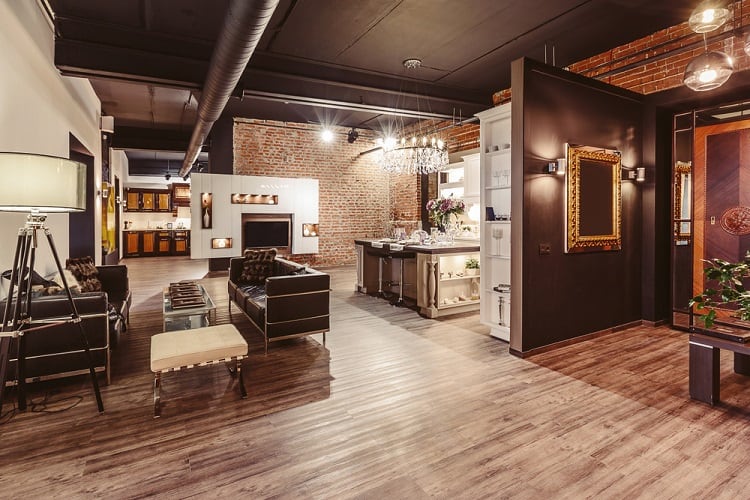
394, 405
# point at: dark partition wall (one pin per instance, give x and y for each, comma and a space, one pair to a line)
568, 295
81, 228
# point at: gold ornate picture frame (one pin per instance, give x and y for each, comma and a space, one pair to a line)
682, 204
593, 200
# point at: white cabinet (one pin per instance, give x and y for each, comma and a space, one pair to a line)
495, 189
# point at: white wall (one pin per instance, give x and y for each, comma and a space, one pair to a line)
38, 110
298, 197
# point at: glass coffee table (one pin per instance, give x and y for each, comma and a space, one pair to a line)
187, 318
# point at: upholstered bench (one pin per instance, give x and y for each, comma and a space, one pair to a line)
173, 351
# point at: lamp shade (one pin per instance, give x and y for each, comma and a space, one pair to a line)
44, 183
708, 71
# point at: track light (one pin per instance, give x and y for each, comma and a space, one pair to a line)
352, 136
326, 135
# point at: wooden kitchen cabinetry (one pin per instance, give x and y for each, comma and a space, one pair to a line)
147, 200
180, 194
132, 241
148, 243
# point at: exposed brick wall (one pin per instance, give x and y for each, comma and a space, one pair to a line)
357, 199
657, 62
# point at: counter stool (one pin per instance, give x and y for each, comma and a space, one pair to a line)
401, 256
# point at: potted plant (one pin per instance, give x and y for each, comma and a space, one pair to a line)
730, 293
472, 266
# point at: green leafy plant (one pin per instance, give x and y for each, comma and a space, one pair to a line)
472, 263
730, 291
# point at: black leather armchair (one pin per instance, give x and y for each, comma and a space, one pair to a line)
57, 351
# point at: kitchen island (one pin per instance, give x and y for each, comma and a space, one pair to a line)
435, 278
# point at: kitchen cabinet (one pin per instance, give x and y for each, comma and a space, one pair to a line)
148, 243
147, 200
180, 194
181, 243
164, 243
132, 201
132, 241
162, 202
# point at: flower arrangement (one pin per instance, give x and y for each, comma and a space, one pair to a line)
441, 209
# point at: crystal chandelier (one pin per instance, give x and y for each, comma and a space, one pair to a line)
414, 157
417, 155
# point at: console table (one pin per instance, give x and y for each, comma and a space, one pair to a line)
704, 364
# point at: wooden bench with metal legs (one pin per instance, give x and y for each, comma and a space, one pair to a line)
174, 351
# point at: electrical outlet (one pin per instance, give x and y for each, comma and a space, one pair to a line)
545, 248
713, 220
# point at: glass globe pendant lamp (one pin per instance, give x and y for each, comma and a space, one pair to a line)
708, 71
708, 16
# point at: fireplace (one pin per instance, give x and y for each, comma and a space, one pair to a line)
267, 231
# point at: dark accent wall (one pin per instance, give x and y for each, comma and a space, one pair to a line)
81, 225
568, 295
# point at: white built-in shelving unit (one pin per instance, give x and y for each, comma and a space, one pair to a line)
495, 193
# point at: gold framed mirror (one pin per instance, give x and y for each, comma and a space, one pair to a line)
683, 196
593, 199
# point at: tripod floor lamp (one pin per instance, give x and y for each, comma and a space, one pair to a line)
38, 185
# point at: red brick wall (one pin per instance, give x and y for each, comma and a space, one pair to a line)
357, 199
657, 62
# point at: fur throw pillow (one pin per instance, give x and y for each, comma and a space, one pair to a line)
258, 266
85, 273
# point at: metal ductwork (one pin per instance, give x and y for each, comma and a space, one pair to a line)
243, 26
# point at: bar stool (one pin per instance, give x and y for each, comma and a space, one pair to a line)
401, 255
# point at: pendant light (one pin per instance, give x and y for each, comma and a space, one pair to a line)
708, 16
708, 71
711, 69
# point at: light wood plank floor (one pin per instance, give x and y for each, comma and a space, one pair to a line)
394, 405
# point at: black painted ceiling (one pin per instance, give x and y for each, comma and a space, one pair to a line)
320, 59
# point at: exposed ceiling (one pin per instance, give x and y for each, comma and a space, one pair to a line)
331, 61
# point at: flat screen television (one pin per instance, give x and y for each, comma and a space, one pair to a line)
267, 234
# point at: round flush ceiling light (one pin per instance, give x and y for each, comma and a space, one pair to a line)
708, 71
708, 16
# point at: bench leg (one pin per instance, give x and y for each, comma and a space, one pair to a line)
243, 392
236, 372
157, 397
324, 338
704, 373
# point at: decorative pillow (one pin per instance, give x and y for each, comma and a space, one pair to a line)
85, 272
258, 266
73, 284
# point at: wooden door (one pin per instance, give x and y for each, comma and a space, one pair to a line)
132, 201
147, 201
721, 198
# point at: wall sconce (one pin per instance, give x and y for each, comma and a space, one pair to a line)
634, 174
557, 167
221, 242
310, 230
